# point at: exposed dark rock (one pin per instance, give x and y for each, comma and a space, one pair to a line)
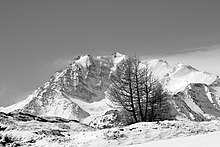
50, 132
195, 95
3, 128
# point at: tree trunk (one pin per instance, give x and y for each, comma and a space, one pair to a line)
138, 92
131, 92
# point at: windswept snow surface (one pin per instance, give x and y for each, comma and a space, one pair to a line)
95, 108
172, 133
204, 140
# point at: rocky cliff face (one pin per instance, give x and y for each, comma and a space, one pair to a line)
79, 90
85, 80
197, 102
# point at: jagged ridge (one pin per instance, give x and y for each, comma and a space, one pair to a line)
79, 90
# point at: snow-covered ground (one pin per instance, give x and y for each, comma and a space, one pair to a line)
172, 133
95, 108
203, 140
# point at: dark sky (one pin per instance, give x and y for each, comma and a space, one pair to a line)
36, 35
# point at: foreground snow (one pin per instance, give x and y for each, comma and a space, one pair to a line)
204, 140
172, 133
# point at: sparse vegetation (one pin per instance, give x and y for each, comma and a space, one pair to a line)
114, 134
137, 91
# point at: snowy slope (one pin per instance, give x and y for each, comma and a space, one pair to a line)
197, 102
21, 104
177, 78
204, 140
74, 92
159, 68
57, 105
182, 75
95, 108
41, 133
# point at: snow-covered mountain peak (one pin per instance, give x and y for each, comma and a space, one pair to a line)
157, 61
116, 59
117, 54
79, 90
181, 70
158, 67
216, 82
182, 75
184, 68
84, 61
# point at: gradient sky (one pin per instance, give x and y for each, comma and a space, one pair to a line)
37, 37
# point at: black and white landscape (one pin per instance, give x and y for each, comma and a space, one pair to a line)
109, 73
73, 107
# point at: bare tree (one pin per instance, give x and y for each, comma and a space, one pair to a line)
138, 78
149, 82
156, 99
136, 90
122, 88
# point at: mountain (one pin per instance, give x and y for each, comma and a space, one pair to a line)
182, 75
79, 91
197, 102
82, 84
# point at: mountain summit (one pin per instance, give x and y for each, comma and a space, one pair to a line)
80, 90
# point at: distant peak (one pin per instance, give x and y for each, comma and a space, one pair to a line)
158, 61
117, 54
84, 60
182, 70
189, 67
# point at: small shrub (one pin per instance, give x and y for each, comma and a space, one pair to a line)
113, 135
